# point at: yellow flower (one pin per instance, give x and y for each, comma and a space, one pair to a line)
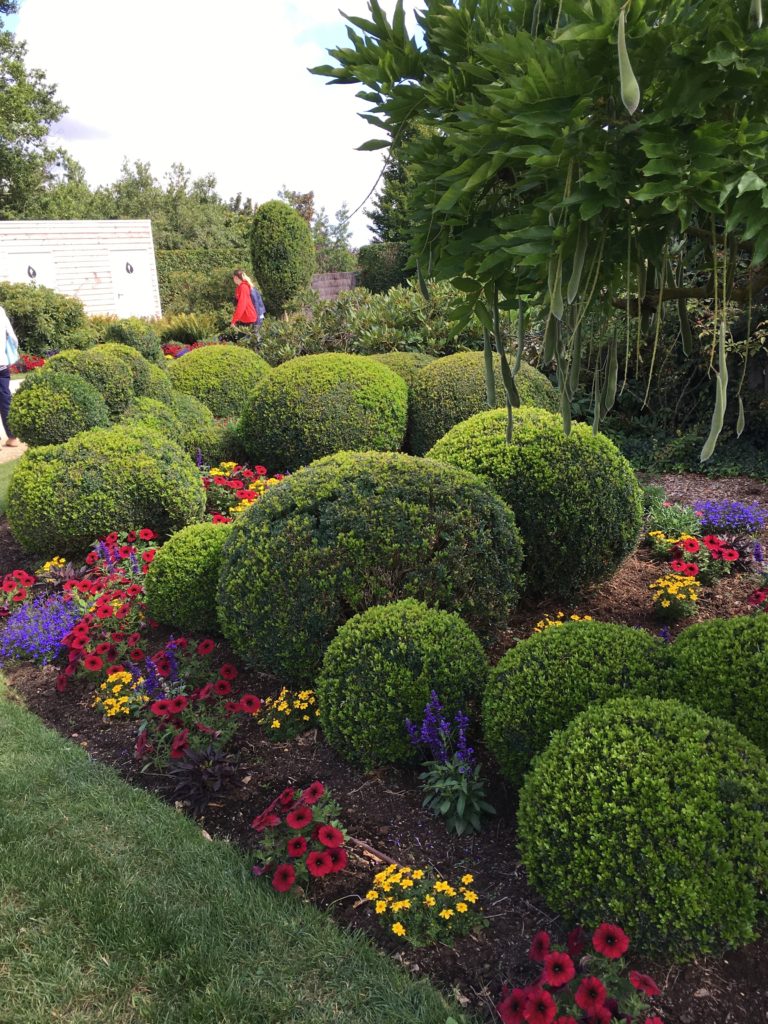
467, 879
372, 895
407, 883
401, 905
665, 604
430, 901
469, 896
418, 874
398, 928
275, 723
381, 906
462, 908
446, 914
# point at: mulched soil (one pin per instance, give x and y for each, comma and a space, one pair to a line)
382, 812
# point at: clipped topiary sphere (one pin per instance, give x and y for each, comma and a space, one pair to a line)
543, 682
452, 389
404, 364
200, 434
51, 407
356, 530
154, 414
159, 386
652, 814
141, 369
576, 498
317, 405
721, 667
136, 334
181, 582
62, 497
106, 371
381, 668
221, 376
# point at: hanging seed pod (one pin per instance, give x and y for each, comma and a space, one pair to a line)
612, 376
685, 327
756, 14
741, 421
630, 90
550, 339
578, 262
574, 370
721, 391
490, 377
556, 295
423, 287
565, 410
521, 314
642, 280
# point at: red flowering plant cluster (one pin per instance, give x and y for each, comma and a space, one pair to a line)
709, 558
577, 989
15, 588
27, 363
232, 488
300, 837
174, 349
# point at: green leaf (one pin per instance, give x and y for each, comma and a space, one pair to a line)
750, 182
372, 144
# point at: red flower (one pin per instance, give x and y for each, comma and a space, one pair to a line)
222, 687
134, 590
232, 707
148, 556
219, 518
677, 564
111, 538
130, 536
590, 995
330, 836
287, 797
757, 597
267, 819
179, 744
318, 862
540, 1008
610, 941
558, 969
512, 1005
283, 877
600, 1015
711, 541
137, 654
297, 846
299, 818
205, 691
228, 671
161, 708
147, 534
313, 793
178, 704
249, 704
339, 859
104, 611
565, 1020
205, 647
690, 569
259, 471
653, 1020
691, 545
93, 662
730, 555
539, 947
576, 941
103, 647
644, 983
91, 558
125, 550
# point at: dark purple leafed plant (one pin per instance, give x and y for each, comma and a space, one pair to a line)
731, 517
34, 631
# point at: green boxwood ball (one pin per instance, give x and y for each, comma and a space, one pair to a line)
652, 814
157, 415
545, 681
576, 498
359, 529
452, 389
404, 364
181, 583
159, 386
221, 376
51, 407
721, 667
106, 371
317, 405
141, 368
381, 668
62, 497
200, 432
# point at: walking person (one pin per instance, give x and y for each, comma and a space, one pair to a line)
9, 354
246, 314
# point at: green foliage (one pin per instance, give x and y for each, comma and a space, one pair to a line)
543, 682
159, 385
181, 582
157, 415
575, 498
83, 337
51, 407
651, 452
283, 253
721, 667
187, 328
452, 389
107, 371
381, 668
356, 530
317, 405
199, 430
63, 496
404, 364
673, 519
382, 265
41, 317
221, 376
650, 813
456, 793
140, 367
196, 281
139, 335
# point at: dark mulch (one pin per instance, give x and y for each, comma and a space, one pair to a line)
382, 811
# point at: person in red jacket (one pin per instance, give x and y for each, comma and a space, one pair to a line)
245, 314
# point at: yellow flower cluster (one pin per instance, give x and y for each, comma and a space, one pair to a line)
118, 695
57, 562
421, 907
558, 620
674, 588
258, 487
289, 712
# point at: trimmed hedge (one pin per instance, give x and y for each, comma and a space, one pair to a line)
317, 405
62, 497
51, 407
653, 814
543, 682
221, 376
452, 389
141, 368
404, 364
137, 334
381, 668
721, 667
356, 530
182, 580
576, 498
107, 371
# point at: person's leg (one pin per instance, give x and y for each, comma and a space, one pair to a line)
5, 402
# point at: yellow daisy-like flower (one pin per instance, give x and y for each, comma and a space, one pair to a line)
418, 875
429, 901
469, 896
461, 908
381, 906
398, 928
467, 879
372, 895
407, 883
446, 914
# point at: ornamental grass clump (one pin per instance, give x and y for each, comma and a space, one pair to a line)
653, 813
421, 909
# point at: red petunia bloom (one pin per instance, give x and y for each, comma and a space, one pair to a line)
148, 556
287, 797
91, 558
250, 704
283, 877
299, 817
730, 555
147, 534
610, 941
297, 846
178, 704
318, 863
205, 691
103, 647
104, 612
644, 983
512, 1006
711, 541
539, 947
267, 819
111, 538
576, 942
691, 545
161, 708
558, 969
130, 536
228, 671
330, 836
590, 995
653, 1020
677, 565
690, 569
222, 687
93, 662
313, 793
232, 707
540, 1007
339, 858
125, 550
179, 744
137, 654
205, 647
757, 597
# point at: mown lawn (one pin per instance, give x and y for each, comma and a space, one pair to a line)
6, 472
115, 909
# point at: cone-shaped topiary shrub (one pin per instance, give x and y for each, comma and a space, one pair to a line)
50, 407
545, 681
404, 364
452, 389
576, 498
182, 580
313, 406
650, 813
381, 668
63, 496
221, 376
283, 253
355, 530
107, 371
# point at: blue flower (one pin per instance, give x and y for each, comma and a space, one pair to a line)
35, 630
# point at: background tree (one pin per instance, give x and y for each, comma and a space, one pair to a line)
283, 253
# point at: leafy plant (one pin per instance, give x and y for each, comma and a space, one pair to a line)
283, 253
201, 775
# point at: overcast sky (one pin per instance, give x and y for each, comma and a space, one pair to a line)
220, 86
